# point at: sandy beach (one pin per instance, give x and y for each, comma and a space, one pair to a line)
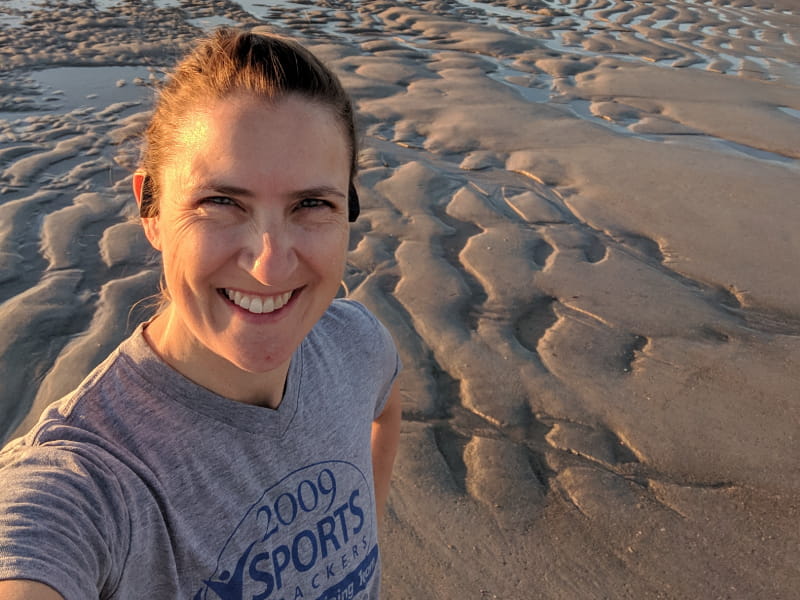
579, 222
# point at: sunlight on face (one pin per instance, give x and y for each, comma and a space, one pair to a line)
253, 231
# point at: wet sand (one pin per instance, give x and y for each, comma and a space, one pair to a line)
579, 222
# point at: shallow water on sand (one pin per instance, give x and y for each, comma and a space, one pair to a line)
63, 89
578, 223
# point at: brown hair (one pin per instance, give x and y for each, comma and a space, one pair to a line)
234, 61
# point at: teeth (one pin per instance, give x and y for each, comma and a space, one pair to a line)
258, 304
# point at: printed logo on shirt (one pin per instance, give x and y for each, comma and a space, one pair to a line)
311, 535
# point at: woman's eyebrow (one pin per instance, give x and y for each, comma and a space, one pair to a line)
222, 188
317, 192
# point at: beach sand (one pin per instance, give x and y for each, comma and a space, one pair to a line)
579, 222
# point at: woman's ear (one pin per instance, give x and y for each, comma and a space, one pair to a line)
143, 191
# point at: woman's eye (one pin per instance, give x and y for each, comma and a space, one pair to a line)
312, 203
219, 200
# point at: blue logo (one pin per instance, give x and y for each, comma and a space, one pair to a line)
311, 535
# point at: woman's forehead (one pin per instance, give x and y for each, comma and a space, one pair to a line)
244, 137
234, 118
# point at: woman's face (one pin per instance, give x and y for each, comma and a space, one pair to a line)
253, 230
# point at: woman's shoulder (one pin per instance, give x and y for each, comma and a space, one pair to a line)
351, 348
353, 322
350, 336
347, 308
69, 417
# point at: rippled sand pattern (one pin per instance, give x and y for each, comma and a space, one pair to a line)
579, 222
747, 38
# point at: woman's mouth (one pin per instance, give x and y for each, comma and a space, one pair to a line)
258, 305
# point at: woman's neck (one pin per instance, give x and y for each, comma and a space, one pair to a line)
213, 372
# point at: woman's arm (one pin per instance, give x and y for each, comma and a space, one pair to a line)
385, 437
20, 589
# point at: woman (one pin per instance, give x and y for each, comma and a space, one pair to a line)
240, 444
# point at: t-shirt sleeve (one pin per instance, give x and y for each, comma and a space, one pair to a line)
379, 352
62, 521
392, 365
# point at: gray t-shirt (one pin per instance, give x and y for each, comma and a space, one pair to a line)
142, 484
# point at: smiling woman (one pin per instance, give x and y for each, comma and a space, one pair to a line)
264, 221
240, 443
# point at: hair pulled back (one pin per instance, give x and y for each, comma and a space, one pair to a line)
230, 62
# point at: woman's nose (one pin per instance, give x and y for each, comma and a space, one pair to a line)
269, 257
